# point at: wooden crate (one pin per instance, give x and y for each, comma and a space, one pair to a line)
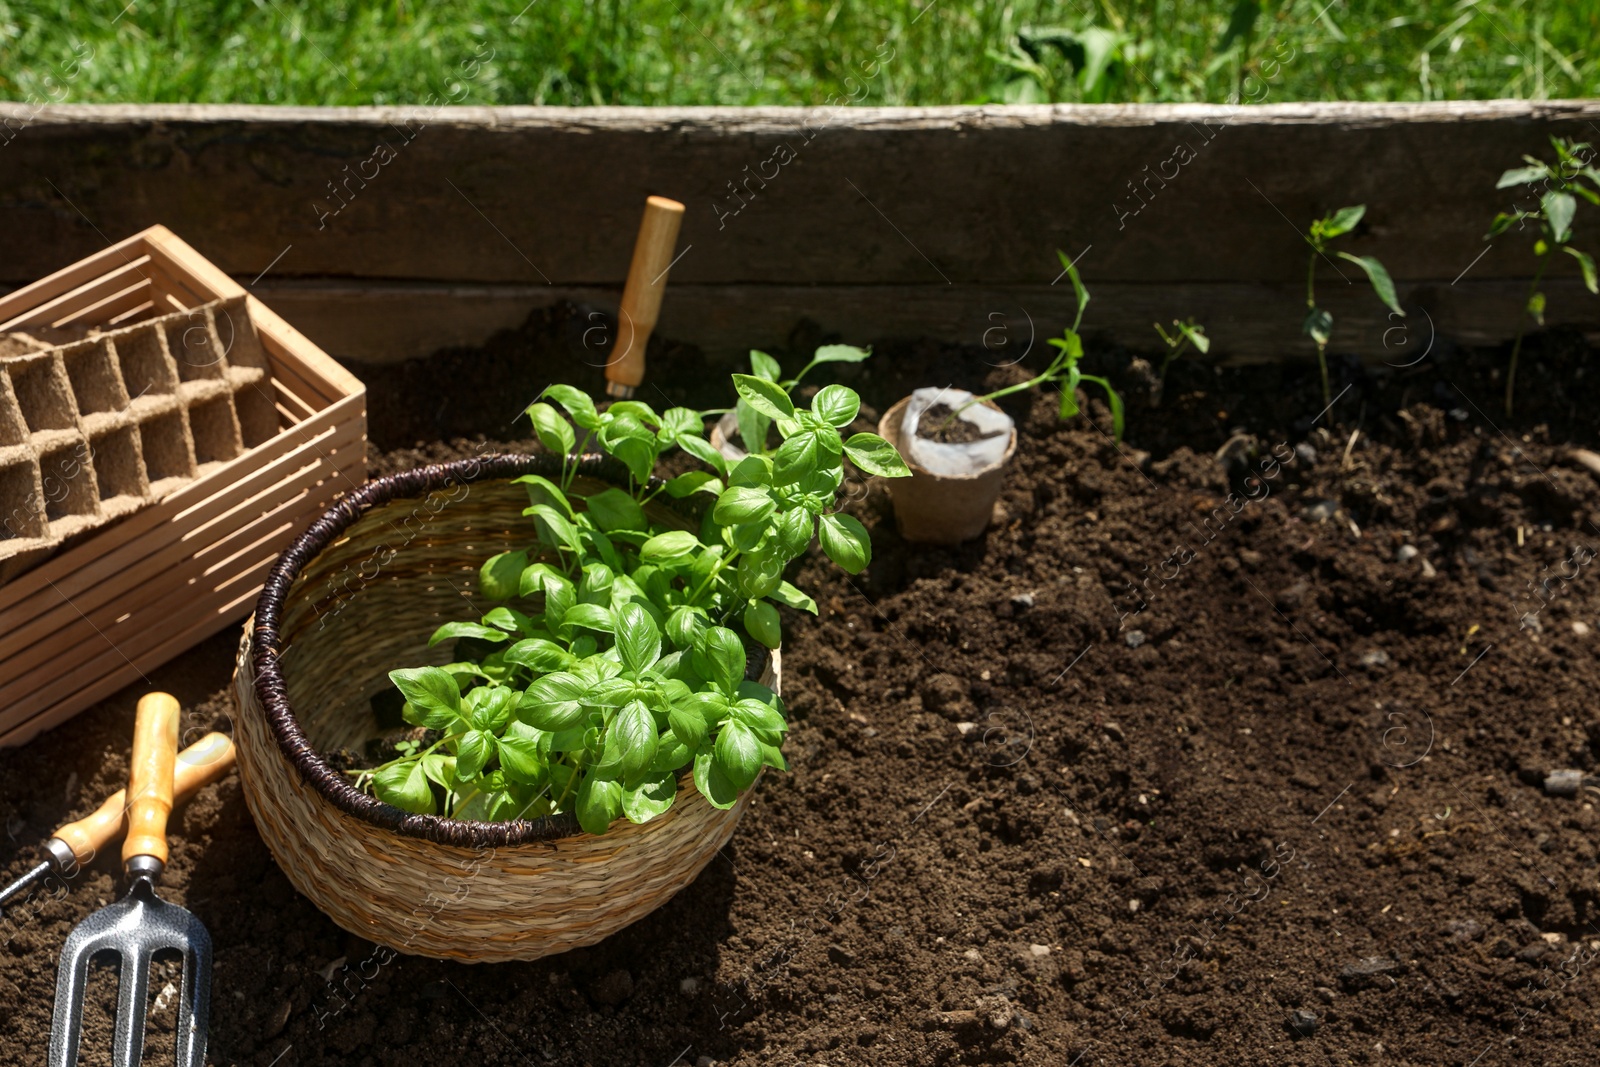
96, 616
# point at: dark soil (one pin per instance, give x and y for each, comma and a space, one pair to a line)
1278, 801
938, 424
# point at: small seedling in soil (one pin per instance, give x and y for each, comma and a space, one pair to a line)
1558, 203
616, 654
1185, 334
1063, 370
754, 427
1318, 324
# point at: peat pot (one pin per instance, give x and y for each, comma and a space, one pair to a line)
943, 509
358, 594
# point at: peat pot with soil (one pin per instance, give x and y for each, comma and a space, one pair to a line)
534, 777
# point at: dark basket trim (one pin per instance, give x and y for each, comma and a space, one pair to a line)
272, 692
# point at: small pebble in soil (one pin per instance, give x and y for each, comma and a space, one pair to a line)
1375, 659
1305, 453
1133, 638
1464, 929
1406, 553
1022, 601
1580, 629
1304, 1022
1320, 511
1368, 971
689, 986
1563, 783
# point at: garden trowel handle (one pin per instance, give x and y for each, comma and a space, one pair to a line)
199, 765
155, 751
641, 296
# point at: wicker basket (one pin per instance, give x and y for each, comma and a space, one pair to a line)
361, 592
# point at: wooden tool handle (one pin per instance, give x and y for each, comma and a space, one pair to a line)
200, 764
155, 750
641, 296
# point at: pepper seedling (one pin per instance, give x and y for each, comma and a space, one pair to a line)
613, 658
1185, 333
1558, 203
1063, 369
1318, 324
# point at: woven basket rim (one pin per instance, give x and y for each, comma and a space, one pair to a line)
272, 691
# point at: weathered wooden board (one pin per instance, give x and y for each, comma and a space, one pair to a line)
384, 232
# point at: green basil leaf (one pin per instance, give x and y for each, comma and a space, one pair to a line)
597, 582
671, 754
772, 756
589, 616
701, 449
669, 546
737, 754
633, 733
613, 509
440, 768
836, 405
404, 785
554, 432
764, 720
712, 783
554, 702
751, 472
635, 409
638, 638
759, 573
693, 482
1586, 265
876, 456
559, 598
794, 529
742, 505
711, 706
1522, 176
766, 397
577, 403
1558, 208
680, 422
650, 798
764, 366
638, 455
761, 622
500, 577
542, 490
465, 629
846, 542
685, 624
432, 693
473, 751
797, 457
521, 760
840, 354
555, 530
599, 804
511, 621
489, 707
789, 597
720, 658
539, 654
688, 725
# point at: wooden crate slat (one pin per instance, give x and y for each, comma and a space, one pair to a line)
112, 308
126, 633
14, 305
110, 578
61, 309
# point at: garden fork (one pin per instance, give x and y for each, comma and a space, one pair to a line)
141, 923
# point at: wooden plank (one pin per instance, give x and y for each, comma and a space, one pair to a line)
67, 278
388, 322
872, 196
68, 305
116, 306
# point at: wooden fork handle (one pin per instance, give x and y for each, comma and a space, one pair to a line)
155, 751
200, 764
641, 296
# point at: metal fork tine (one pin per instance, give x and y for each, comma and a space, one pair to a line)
194, 1010
133, 989
72, 980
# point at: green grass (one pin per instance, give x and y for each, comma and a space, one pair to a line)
794, 52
